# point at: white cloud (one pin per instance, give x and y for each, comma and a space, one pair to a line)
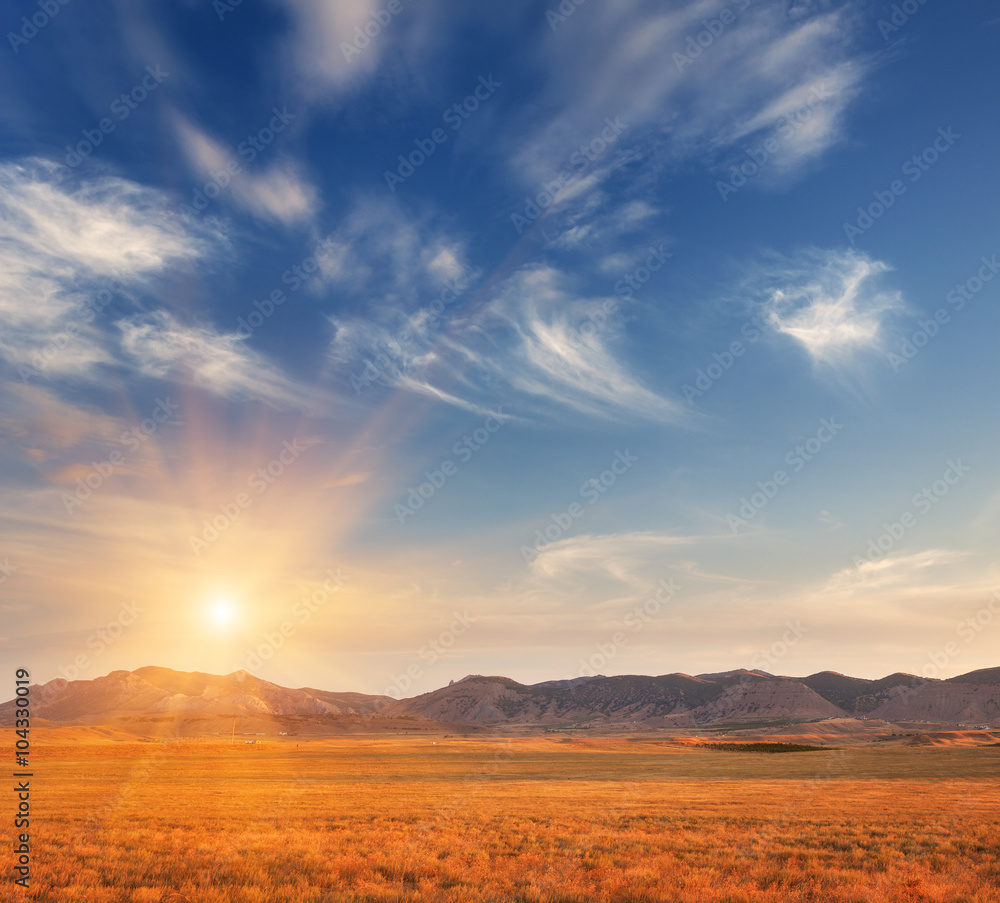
161, 346
897, 571
551, 357
103, 225
535, 339
409, 274
773, 76
319, 27
67, 245
618, 58
827, 301
382, 251
277, 192
73, 249
804, 120
631, 558
627, 63
597, 224
333, 47
532, 338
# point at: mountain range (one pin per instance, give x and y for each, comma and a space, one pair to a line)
478, 702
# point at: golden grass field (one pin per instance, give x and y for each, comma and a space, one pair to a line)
527, 819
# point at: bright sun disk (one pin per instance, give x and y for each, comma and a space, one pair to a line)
222, 612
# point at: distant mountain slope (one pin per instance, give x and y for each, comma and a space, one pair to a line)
855, 694
670, 698
983, 676
152, 690
968, 698
349, 703
949, 701
678, 700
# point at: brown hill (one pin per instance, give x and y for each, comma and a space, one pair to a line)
982, 676
856, 694
944, 701
966, 699
633, 702
162, 691
671, 699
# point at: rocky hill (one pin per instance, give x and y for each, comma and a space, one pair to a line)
669, 700
966, 699
731, 697
162, 691
481, 702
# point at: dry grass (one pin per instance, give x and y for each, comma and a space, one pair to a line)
521, 820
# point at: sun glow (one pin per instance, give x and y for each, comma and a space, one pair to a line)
222, 611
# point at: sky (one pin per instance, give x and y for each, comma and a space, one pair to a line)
367, 344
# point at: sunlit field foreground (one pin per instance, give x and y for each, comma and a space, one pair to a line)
511, 820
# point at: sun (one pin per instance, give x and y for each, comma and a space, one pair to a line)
222, 611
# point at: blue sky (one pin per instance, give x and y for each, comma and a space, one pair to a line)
531, 311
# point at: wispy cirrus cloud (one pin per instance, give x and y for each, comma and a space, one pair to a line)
828, 301
161, 346
635, 61
895, 572
536, 318
624, 58
598, 223
64, 240
277, 192
71, 245
319, 28
525, 339
102, 225
392, 258
777, 75
630, 558
805, 120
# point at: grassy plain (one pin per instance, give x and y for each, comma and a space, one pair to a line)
526, 819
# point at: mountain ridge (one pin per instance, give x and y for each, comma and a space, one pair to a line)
493, 701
